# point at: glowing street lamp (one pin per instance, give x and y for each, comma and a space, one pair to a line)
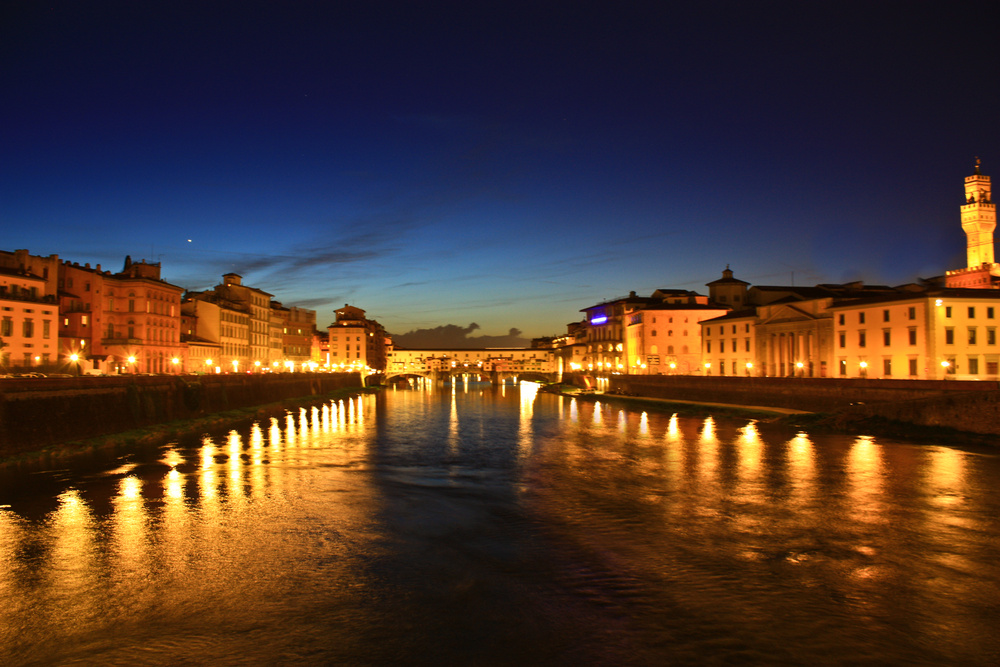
74, 358
131, 363
864, 368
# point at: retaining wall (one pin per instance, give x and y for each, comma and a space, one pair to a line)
40, 412
963, 405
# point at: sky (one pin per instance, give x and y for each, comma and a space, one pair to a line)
491, 168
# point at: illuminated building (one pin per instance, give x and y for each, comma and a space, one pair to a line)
658, 334
239, 322
299, 342
936, 334
355, 341
979, 220
137, 328
28, 315
664, 337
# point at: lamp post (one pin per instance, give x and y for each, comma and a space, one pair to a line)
131, 364
864, 369
75, 358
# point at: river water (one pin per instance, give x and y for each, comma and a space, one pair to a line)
494, 526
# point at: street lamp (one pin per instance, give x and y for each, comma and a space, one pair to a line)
864, 369
131, 363
74, 358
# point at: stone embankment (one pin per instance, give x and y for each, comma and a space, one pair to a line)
37, 413
969, 406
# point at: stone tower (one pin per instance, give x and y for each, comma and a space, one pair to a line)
979, 219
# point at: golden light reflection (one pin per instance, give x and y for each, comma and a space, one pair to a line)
622, 422
129, 524
525, 433
597, 412
673, 433
644, 424
256, 443
290, 436
206, 479
574, 410
865, 477
751, 450
453, 422
274, 434
800, 458
172, 485
73, 531
708, 449
946, 476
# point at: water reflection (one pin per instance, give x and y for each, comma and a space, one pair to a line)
365, 529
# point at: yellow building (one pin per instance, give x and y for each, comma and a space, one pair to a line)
28, 323
939, 334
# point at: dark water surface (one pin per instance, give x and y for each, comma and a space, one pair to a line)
495, 527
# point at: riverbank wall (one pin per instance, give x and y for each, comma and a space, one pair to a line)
962, 405
36, 413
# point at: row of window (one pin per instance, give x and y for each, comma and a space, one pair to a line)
949, 337
911, 314
722, 345
27, 327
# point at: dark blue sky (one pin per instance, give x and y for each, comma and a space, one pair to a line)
502, 163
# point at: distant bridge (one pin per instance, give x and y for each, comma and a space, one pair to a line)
495, 365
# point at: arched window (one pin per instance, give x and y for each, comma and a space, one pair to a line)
670, 349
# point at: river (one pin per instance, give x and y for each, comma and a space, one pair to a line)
498, 526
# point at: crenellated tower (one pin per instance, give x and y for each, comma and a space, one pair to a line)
979, 220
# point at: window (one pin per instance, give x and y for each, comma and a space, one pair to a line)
972, 312
861, 318
734, 328
843, 366
843, 339
989, 313
887, 367
886, 337
972, 335
885, 315
28, 328
747, 341
949, 336
913, 366
708, 346
734, 347
7, 327
840, 319
991, 336
912, 313
45, 328
861, 339
746, 328
912, 336
974, 365
947, 311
